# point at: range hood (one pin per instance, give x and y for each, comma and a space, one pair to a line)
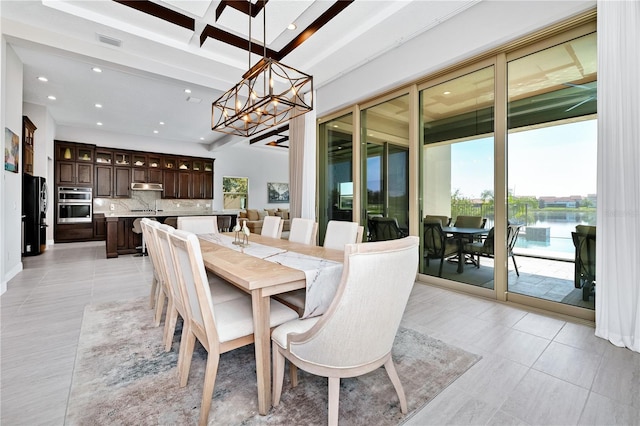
146, 186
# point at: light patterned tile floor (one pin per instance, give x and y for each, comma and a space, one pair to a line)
535, 369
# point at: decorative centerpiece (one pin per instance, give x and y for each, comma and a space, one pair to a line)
241, 234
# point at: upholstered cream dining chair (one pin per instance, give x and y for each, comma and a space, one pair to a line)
303, 231
272, 226
356, 333
198, 224
157, 292
218, 327
340, 233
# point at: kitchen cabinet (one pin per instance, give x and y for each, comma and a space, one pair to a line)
184, 185
112, 182
120, 238
74, 164
169, 184
104, 181
122, 182
28, 131
73, 232
99, 227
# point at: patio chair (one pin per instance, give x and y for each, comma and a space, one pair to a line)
385, 228
584, 241
437, 245
486, 248
444, 220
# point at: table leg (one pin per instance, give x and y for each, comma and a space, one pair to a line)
261, 307
460, 257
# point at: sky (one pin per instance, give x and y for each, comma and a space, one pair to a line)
552, 161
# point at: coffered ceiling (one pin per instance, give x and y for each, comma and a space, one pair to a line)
150, 52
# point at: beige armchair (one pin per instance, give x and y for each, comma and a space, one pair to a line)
356, 333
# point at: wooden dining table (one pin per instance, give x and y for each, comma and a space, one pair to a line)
262, 279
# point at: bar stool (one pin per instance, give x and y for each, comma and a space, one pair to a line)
137, 229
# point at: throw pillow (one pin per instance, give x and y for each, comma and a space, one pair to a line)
261, 215
252, 214
271, 212
243, 215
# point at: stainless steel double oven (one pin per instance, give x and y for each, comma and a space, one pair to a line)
75, 204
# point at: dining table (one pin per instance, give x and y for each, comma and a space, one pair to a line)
462, 235
261, 278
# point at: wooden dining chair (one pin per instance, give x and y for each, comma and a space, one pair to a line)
146, 226
272, 227
198, 224
356, 333
218, 327
341, 232
303, 231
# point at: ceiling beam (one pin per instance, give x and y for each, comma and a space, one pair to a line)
161, 12
245, 7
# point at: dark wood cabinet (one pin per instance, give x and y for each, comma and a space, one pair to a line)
104, 182
184, 185
139, 174
73, 232
122, 182
99, 227
170, 184
28, 131
74, 164
154, 175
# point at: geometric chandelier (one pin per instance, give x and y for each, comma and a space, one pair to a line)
269, 94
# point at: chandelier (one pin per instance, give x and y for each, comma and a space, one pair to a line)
269, 94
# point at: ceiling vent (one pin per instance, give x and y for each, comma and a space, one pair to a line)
109, 40
194, 100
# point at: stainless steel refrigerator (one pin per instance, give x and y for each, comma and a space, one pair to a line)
34, 213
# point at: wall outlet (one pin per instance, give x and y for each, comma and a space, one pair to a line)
207, 205
112, 207
178, 205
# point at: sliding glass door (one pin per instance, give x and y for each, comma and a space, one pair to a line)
552, 165
457, 169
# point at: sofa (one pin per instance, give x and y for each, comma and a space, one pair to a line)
255, 218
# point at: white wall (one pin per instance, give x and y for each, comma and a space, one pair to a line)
43, 153
11, 186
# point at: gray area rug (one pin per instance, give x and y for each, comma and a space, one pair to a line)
123, 376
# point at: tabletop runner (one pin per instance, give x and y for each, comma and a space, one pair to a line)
322, 275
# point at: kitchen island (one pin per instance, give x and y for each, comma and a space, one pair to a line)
120, 238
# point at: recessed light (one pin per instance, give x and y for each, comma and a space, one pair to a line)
155, 131
335, 126
98, 105
96, 69
292, 26
99, 123
53, 98
42, 78
187, 90
446, 93
162, 123
201, 139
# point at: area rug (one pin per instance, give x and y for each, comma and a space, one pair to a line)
123, 376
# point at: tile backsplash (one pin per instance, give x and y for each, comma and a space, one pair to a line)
148, 200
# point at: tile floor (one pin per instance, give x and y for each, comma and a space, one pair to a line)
535, 369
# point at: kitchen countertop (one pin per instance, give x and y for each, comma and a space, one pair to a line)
166, 213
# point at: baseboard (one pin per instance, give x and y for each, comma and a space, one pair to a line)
12, 273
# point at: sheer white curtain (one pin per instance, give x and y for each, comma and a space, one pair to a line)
618, 238
302, 165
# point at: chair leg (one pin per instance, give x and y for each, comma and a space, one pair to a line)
441, 263
514, 265
159, 307
293, 374
278, 374
393, 375
154, 293
210, 373
334, 400
187, 344
170, 325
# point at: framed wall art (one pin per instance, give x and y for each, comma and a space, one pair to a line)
278, 192
11, 151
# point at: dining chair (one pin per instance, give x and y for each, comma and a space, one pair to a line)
486, 247
444, 220
221, 290
272, 226
436, 243
341, 232
218, 327
198, 224
356, 334
146, 226
303, 231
